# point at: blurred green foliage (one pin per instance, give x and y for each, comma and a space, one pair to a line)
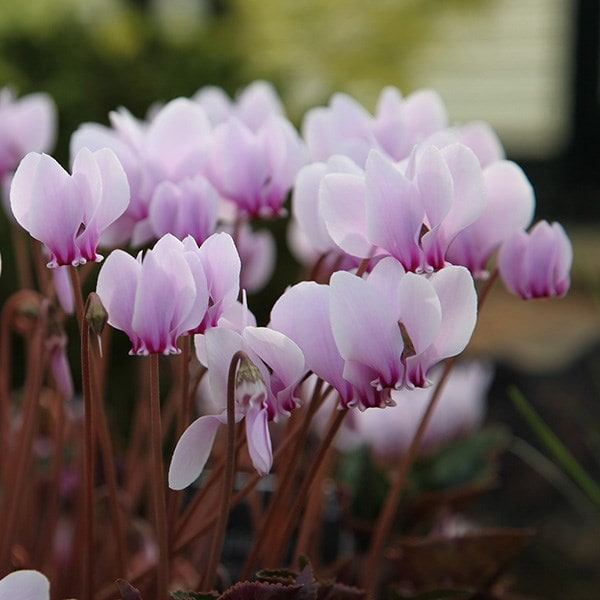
125, 58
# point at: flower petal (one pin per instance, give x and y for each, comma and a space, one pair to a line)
24, 585
192, 451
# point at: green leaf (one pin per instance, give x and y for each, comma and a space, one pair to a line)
463, 462
555, 447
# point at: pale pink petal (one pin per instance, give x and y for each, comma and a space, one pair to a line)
302, 313
390, 193
456, 291
22, 188
55, 212
282, 356
342, 206
419, 310
24, 585
192, 451
176, 138
510, 206
221, 345
364, 326
222, 265
257, 102
259, 439
482, 139
117, 283
165, 295
34, 123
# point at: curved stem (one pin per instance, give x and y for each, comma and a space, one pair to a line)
219, 536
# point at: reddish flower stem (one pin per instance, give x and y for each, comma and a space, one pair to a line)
386, 518
219, 535
19, 473
160, 507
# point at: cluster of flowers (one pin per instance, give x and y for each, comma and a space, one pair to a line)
397, 213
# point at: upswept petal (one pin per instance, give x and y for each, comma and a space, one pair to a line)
24, 585
302, 313
394, 213
283, 357
115, 193
198, 310
55, 211
458, 300
117, 283
236, 165
564, 259
469, 190
364, 326
257, 102
425, 113
419, 311
512, 263
541, 257
221, 344
510, 206
35, 123
342, 203
22, 188
176, 137
259, 439
436, 188
222, 267
188, 207
305, 199
164, 298
483, 140
192, 451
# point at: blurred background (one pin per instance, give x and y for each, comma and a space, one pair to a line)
529, 68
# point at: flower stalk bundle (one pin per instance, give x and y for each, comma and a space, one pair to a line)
395, 217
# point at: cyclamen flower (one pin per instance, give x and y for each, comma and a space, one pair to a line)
345, 127
24, 585
537, 264
252, 106
68, 213
411, 213
27, 124
156, 297
510, 206
171, 146
265, 390
255, 169
369, 336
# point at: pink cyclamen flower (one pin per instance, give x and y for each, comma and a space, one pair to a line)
412, 212
255, 169
169, 146
27, 124
537, 264
368, 336
345, 127
188, 207
68, 213
252, 106
510, 206
24, 585
265, 390
157, 297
